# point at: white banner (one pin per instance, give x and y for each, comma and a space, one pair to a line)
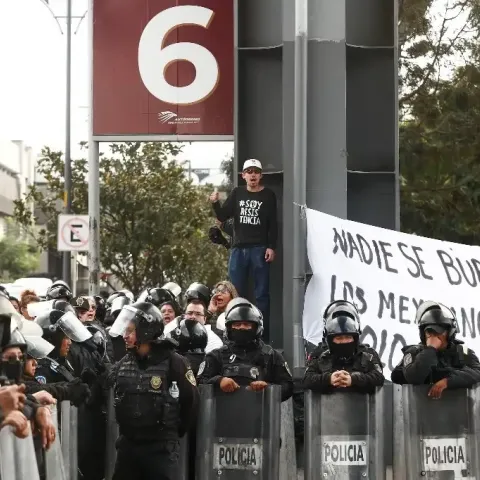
387, 274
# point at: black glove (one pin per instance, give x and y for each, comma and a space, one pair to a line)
79, 393
88, 376
216, 236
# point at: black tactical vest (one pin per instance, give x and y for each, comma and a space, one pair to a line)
143, 403
245, 367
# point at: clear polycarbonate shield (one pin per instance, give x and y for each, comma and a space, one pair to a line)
127, 315
6, 308
119, 303
31, 329
35, 309
38, 347
73, 328
173, 287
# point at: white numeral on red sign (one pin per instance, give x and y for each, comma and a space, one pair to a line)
154, 58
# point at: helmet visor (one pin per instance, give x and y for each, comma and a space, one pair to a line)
126, 315
73, 328
38, 347
118, 303
173, 287
341, 325
35, 309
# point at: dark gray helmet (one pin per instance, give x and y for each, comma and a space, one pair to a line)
241, 310
190, 335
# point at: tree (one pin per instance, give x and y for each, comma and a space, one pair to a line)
228, 171
17, 258
153, 221
440, 118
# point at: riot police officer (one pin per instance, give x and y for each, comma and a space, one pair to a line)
440, 359
245, 360
345, 363
60, 329
59, 290
198, 291
192, 338
155, 397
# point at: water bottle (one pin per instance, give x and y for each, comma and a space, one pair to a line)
174, 392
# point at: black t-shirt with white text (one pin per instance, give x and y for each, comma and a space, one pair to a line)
254, 215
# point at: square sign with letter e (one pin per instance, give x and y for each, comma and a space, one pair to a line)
73, 233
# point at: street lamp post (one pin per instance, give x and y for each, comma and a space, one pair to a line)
67, 196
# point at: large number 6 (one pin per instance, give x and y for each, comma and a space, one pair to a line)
154, 58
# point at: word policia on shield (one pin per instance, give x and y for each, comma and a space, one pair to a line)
387, 274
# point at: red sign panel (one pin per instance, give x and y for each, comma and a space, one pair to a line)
163, 67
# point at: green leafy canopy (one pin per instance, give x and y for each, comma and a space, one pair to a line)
153, 221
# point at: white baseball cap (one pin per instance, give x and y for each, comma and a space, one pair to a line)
252, 163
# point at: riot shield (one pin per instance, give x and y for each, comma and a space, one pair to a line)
54, 468
17, 456
69, 438
437, 439
239, 434
344, 436
112, 435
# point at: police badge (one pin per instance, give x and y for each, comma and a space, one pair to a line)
191, 378
41, 379
254, 372
201, 368
156, 382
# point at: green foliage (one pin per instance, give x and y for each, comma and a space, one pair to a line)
17, 257
153, 221
227, 169
440, 119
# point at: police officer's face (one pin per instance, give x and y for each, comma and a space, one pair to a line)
195, 312
65, 347
168, 314
31, 367
12, 354
343, 339
242, 326
130, 336
442, 337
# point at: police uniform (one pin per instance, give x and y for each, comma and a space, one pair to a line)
360, 361
151, 414
54, 371
248, 361
424, 364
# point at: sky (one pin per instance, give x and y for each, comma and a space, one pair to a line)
33, 74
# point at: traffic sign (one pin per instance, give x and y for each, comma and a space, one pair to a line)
73, 234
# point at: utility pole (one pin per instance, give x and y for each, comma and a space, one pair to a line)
67, 259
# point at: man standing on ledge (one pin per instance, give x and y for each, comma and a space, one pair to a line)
254, 212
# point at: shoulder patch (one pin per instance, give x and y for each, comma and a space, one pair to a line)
407, 360
201, 368
41, 379
191, 378
288, 369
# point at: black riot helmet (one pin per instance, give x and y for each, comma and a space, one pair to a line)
59, 290
157, 296
147, 319
55, 321
339, 303
342, 319
191, 336
16, 340
437, 317
101, 308
112, 297
198, 291
128, 294
241, 310
63, 306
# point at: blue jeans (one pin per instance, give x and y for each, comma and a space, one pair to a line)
242, 260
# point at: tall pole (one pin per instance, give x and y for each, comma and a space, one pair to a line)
299, 182
67, 265
94, 264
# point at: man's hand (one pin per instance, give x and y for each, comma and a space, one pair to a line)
436, 391
19, 423
43, 421
335, 379
269, 255
257, 386
44, 398
434, 342
12, 398
214, 197
228, 385
345, 379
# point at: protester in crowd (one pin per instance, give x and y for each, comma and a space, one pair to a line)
170, 310
14, 301
255, 230
223, 292
26, 298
